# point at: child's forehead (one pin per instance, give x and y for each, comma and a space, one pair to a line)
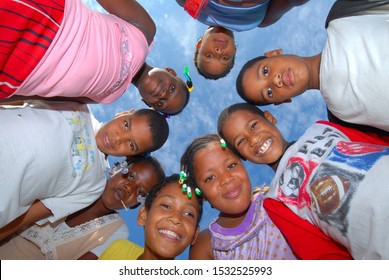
211, 151
245, 113
173, 190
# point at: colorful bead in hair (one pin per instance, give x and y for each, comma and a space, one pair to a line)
189, 82
223, 143
185, 187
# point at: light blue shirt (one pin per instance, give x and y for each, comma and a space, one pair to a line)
233, 18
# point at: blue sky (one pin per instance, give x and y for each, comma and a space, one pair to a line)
301, 31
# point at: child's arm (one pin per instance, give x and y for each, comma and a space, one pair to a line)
36, 212
277, 8
202, 249
134, 13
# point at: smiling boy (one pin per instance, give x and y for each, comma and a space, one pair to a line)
330, 176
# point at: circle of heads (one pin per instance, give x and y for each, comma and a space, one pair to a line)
185, 188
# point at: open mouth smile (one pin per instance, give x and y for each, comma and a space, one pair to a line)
265, 147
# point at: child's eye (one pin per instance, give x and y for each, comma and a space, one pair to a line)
253, 126
209, 179
132, 146
130, 176
232, 165
265, 71
164, 205
172, 88
240, 142
226, 58
160, 103
142, 193
208, 55
189, 214
126, 124
270, 92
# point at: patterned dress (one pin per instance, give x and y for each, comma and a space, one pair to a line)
256, 238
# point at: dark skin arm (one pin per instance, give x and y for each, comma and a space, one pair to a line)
202, 249
132, 12
36, 212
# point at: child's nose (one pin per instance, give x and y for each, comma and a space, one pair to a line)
175, 218
278, 80
253, 140
219, 50
226, 180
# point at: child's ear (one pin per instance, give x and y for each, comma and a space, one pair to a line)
142, 216
171, 71
282, 102
195, 235
273, 53
199, 42
270, 117
129, 112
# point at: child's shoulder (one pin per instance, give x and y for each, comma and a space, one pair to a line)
202, 248
122, 249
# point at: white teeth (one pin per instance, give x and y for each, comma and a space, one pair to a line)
170, 233
264, 147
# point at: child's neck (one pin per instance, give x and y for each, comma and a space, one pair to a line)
286, 145
136, 80
232, 221
314, 65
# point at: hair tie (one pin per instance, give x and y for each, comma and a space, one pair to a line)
185, 187
189, 83
223, 143
123, 166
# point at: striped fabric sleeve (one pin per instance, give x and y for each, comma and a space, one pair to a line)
27, 28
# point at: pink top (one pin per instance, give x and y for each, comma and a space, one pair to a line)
93, 55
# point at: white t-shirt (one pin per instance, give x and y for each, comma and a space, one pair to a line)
354, 69
340, 186
48, 152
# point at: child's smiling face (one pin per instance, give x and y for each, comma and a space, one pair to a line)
223, 179
170, 224
255, 137
127, 135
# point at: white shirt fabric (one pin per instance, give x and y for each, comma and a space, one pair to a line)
340, 186
48, 152
355, 67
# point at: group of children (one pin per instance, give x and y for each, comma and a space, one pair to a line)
321, 204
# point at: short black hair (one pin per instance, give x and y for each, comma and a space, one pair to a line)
158, 126
239, 81
227, 112
167, 180
212, 76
